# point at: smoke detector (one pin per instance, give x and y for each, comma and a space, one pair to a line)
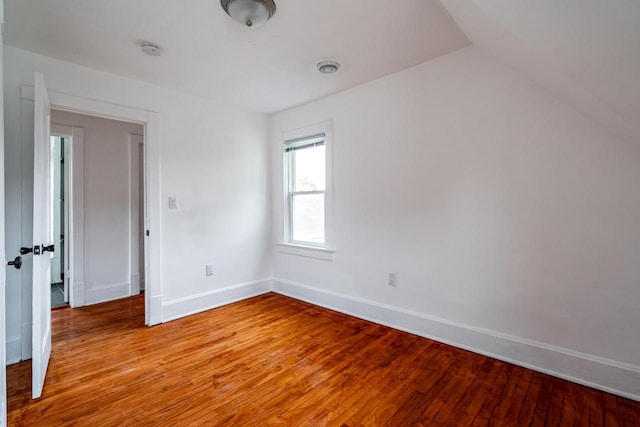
151, 49
328, 67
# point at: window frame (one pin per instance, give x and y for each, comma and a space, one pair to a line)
289, 138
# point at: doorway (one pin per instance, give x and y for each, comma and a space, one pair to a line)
149, 127
33, 310
103, 240
150, 121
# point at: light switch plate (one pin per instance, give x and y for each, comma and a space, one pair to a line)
173, 202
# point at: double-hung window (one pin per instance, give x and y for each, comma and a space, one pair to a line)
305, 163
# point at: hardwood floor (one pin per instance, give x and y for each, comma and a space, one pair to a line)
272, 360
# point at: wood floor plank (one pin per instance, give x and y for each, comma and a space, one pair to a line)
596, 407
402, 351
611, 418
628, 414
492, 379
385, 381
272, 360
454, 396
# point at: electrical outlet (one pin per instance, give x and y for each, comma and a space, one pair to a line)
209, 269
393, 279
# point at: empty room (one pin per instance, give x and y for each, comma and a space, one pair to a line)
341, 213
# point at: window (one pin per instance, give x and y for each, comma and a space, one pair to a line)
306, 188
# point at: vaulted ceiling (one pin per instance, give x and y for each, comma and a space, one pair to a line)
586, 52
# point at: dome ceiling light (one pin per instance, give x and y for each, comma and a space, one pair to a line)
250, 13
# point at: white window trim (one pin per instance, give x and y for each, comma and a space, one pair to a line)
307, 251
288, 246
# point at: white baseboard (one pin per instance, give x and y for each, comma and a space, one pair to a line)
77, 297
155, 310
182, 307
14, 350
107, 293
604, 374
134, 279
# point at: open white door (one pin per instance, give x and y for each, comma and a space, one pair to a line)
3, 354
42, 237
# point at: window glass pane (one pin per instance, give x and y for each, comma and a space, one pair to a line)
309, 173
308, 218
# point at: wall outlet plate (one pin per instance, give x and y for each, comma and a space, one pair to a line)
393, 279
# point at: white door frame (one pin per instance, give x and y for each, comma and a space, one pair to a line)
74, 212
137, 212
66, 218
153, 241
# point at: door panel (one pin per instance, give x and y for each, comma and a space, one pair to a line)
42, 236
3, 354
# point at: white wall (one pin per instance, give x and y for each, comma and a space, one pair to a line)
106, 201
513, 221
214, 158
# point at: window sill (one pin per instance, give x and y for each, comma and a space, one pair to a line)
306, 251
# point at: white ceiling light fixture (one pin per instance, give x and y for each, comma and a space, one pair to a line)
328, 67
151, 49
251, 13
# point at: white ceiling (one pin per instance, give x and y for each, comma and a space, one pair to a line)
206, 53
587, 52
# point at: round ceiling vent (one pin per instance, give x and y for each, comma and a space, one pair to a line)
151, 48
328, 67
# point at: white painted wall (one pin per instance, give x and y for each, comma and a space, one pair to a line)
214, 158
107, 213
513, 221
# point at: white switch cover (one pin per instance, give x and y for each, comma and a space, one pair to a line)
209, 269
173, 202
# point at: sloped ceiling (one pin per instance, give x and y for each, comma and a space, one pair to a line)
587, 52
269, 69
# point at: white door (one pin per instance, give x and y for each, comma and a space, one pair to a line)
3, 357
42, 237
